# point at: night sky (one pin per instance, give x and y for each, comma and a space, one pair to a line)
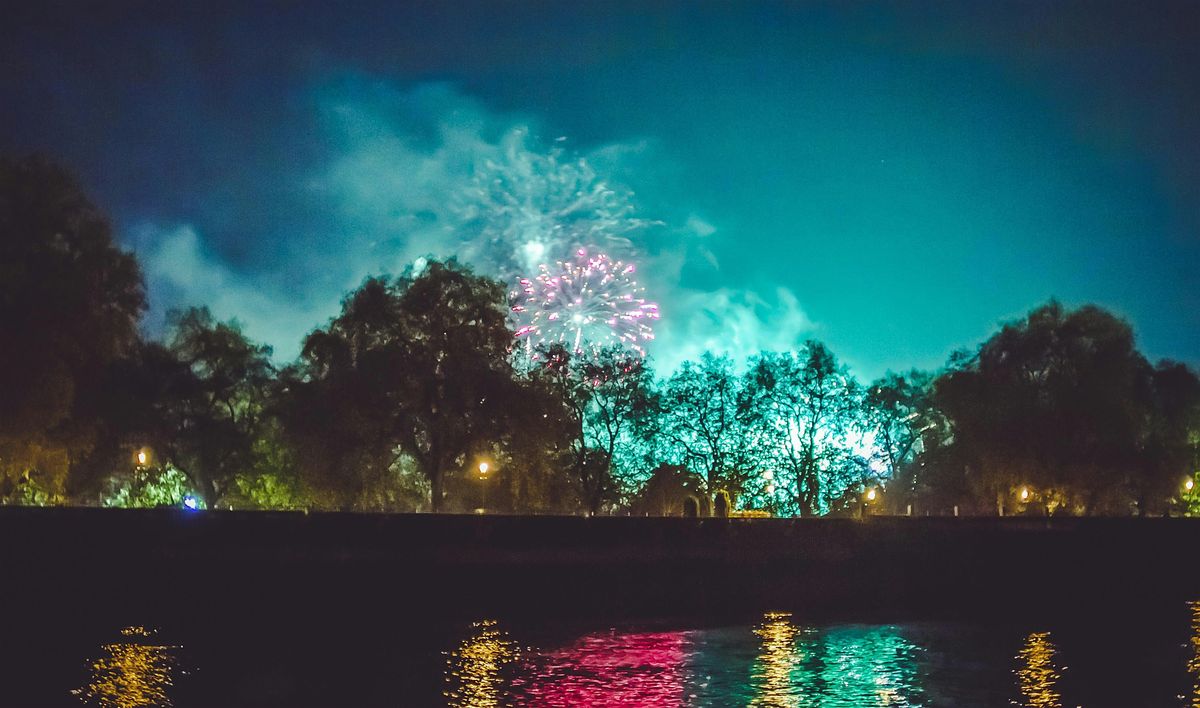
894, 179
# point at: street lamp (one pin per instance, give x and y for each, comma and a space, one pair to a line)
483, 470
142, 457
1189, 484
1024, 494
867, 500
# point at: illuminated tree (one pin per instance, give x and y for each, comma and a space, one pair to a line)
804, 407
700, 425
901, 423
607, 395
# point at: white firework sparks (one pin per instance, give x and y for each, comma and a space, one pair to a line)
526, 208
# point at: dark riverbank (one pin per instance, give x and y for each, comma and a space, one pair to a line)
577, 568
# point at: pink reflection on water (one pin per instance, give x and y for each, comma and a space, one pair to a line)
607, 670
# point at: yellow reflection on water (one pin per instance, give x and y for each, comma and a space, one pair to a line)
1037, 674
132, 674
473, 670
777, 658
1193, 664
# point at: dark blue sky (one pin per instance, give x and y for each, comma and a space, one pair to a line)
894, 179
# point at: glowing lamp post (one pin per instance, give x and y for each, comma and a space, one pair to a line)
1024, 494
483, 470
1189, 485
868, 499
142, 457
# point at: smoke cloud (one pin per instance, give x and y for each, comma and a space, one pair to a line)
427, 171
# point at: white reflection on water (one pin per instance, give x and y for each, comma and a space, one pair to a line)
133, 673
1037, 675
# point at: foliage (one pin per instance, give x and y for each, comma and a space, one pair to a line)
606, 395
701, 425
150, 486
394, 403
1063, 403
416, 366
69, 305
804, 407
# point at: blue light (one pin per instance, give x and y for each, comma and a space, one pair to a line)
190, 502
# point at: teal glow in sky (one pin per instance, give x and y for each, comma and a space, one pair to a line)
892, 179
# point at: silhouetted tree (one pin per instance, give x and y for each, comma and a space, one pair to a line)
417, 366
222, 421
69, 305
1062, 404
1165, 452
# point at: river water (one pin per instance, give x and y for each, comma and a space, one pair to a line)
771, 659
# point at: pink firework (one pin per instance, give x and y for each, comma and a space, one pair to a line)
588, 303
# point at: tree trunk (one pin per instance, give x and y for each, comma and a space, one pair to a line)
435, 491
208, 489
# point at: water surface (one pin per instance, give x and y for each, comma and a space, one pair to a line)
778, 659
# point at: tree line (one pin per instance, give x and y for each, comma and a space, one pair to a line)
414, 398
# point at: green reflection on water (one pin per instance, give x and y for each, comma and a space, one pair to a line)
475, 670
839, 667
1037, 675
133, 673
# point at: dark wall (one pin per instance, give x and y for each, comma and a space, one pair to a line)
263, 563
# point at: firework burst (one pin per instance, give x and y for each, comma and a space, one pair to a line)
586, 304
524, 208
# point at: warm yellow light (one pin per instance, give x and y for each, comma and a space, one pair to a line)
1024, 493
133, 674
142, 457
475, 671
871, 494
1038, 675
1189, 484
483, 469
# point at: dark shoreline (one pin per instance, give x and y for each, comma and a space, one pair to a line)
603, 567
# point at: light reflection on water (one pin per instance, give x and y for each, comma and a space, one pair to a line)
1037, 674
1193, 664
133, 673
775, 663
610, 668
474, 671
850, 667
779, 656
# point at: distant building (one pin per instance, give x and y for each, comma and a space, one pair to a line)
670, 491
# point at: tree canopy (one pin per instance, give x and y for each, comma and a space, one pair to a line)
70, 301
